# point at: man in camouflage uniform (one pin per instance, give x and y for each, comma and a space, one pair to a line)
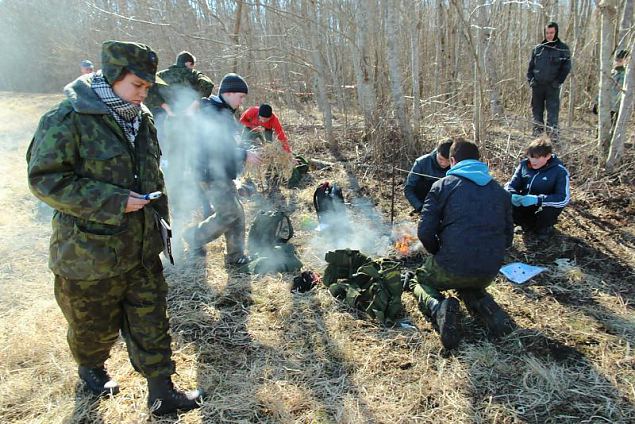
92, 158
184, 86
617, 75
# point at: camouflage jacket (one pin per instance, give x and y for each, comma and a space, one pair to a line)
81, 164
179, 77
617, 74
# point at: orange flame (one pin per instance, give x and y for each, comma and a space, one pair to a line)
404, 244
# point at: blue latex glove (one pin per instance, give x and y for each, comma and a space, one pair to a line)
516, 198
529, 200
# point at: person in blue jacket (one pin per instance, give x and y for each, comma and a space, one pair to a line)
540, 189
425, 171
466, 225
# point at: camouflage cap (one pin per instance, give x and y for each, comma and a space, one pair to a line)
137, 58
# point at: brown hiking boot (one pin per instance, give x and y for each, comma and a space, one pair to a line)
164, 398
446, 318
98, 381
482, 306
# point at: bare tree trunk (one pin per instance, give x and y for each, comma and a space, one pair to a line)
608, 13
574, 27
415, 38
236, 35
625, 24
366, 96
396, 82
626, 110
321, 71
438, 66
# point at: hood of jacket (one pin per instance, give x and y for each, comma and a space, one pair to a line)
473, 170
220, 103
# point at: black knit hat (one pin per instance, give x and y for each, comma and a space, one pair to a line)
265, 110
233, 83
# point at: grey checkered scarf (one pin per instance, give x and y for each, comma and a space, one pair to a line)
127, 115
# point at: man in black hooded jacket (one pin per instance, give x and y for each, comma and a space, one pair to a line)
548, 68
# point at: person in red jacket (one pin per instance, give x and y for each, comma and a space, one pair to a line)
262, 122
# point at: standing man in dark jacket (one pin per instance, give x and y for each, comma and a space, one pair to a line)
92, 158
549, 66
426, 170
220, 160
540, 189
466, 224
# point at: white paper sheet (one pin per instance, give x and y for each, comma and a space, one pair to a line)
520, 273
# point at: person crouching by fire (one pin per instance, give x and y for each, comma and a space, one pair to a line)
426, 170
92, 158
466, 224
540, 190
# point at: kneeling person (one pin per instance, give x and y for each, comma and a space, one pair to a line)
540, 189
466, 224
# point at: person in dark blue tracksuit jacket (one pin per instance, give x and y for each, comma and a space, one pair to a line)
426, 170
540, 189
549, 66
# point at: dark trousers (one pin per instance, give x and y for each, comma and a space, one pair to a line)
545, 96
527, 217
257, 138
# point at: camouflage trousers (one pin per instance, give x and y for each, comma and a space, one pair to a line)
257, 138
135, 303
229, 220
431, 280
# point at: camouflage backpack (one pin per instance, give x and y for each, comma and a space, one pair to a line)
374, 286
269, 229
267, 242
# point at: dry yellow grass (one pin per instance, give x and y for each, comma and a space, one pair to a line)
268, 356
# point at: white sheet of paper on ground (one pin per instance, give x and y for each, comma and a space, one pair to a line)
520, 273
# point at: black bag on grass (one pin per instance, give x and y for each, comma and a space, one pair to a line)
268, 244
299, 170
328, 200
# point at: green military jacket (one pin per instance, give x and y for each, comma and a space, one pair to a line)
81, 164
617, 74
176, 77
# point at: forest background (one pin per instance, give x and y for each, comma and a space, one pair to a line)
405, 72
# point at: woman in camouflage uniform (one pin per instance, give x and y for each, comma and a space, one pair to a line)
92, 159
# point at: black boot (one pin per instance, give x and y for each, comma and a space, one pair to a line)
446, 318
164, 398
482, 306
98, 381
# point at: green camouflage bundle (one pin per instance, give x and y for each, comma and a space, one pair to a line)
374, 287
342, 263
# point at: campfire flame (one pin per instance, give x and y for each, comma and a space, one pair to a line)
404, 244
